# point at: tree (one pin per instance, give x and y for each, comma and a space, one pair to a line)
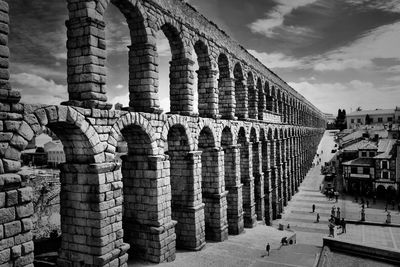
367, 120
341, 120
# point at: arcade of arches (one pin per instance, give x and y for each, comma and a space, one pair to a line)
187, 177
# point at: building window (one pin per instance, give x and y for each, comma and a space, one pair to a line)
365, 170
380, 120
371, 154
384, 164
385, 175
352, 120
390, 119
358, 120
363, 154
353, 170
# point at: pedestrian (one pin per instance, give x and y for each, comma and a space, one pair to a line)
338, 213
313, 208
268, 248
331, 230
333, 211
317, 217
343, 224
367, 203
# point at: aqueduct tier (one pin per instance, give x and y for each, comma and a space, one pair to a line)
187, 177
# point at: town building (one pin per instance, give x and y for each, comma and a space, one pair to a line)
55, 153
375, 117
370, 166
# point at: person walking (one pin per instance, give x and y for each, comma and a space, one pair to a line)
268, 248
343, 224
313, 208
317, 217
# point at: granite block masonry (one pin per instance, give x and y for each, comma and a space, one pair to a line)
187, 177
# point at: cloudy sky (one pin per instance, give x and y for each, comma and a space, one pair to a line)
337, 53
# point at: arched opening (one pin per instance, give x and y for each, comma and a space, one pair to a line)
206, 87
74, 178
381, 191
232, 183
40, 164
274, 100
186, 201
248, 183
253, 114
268, 97
176, 75
258, 178
213, 187
240, 92
141, 213
274, 174
261, 99
226, 101
138, 43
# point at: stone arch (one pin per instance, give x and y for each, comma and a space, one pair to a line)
207, 101
210, 126
252, 91
91, 80
226, 137
70, 126
213, 184
186, 201
180, 122
180, 72
226, 92
261, 99
140, 167
84, 153
241, 94
135, 121
258, 191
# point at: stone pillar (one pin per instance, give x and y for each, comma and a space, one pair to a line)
208, 93
143, 78
147, 207
214, 194
284, 184
226, 101
241, 95
16, 208
258, 181
86, 62
91, 216
279, 177
266, 166
181, 86
246, 173
234, 188
274, 181
187, 205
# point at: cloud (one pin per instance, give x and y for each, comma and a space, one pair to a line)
380, 43
276, 60
387, 5
275, 18
330, 96
36, 89
394, 79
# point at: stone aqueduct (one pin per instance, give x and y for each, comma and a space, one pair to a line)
187, 177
